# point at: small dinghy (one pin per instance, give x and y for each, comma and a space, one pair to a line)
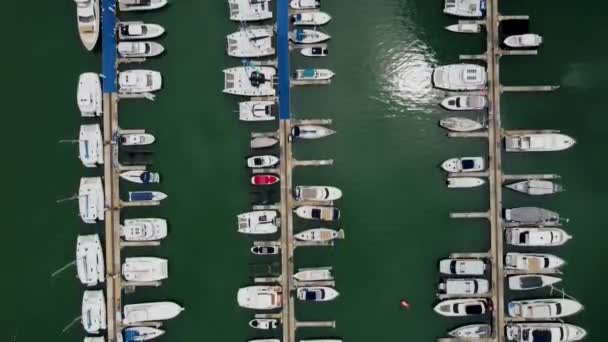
464, 164
138, 334
524, 40
137, 139
320, 235
464, 182
316, 293
310, 132
311, 74
316, 274
464, 287
458, 124
465, 102
544, 332
260, 297
305, 4
141, 177
141, 5
139, 49
146, 196
265, 250
314, 52
536, 187
472, 331
256, 111
146, 312
90, 264
462, 307
262, 161
533, 262
145, 269
263, 142
305, 36
139, 81
317, 193
531, 281
264, 323
258, 222
264, 180
536, 237
313, 212
88, 95
462, 267
144, 229
93, 311
464, 28
532, 216
139, 30
310, 19
88, 19
547, 308
541, 142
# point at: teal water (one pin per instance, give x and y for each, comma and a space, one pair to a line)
386, 154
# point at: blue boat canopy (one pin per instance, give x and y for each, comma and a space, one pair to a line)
300, 34
309, 72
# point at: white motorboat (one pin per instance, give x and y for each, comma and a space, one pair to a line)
317, 193
311, 74
542, 142
533, 263
464, 164
544, 332
258, 222
316, 293
139, 49
250, 43
320, 235
464, 28
313, 212
460, 124
465, 102
146, 312
90, 145
263, 142
315, 51
305, 4
93, 311
88, 95
140, 176
256, 111
264, 323
144, 229
464, 287
462, 267
314, 274
536, 187
146, 196
145, 269
143, 333
139, 30
262, 161
310, 19
531, 281
532, 216
89, 260
249, 81
464, 182
523, 40
310, 132
139, 81
547, 308
88, 18
260, 297
462, 307
472, 331
536, 237
136, 139
91, 204
306, 36
465, 8
141, 5
249, 10
460, 77
265, 250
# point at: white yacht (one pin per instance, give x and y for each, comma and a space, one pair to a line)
263, 142
320, 235
265, 161
310, 19
250, 43
139, 81
316, 293
547, 308
314, 51
260, 297
464, 164
314, 274
265, 250
462, 267
139, 49
464, 182
460, 124
88, 95
132, 30
541, 142
142, 333
533, 262
250, 81
89, 260
472, 331
140, 176
146, 196
465, 102
314, 212
145, 269
250, 10
256, 111
460, 77
306, 36
141, 5
464, 28
536, 237
305, 4
544, 332
531, 281
90, 145
310, 132
264, 323
462, 307
93, 311
465, 8
144, 229
88, 18
258, 222
316, 193
137, 139
145, 312
91, 202
536, 187
464, 287
311, 74
524, 40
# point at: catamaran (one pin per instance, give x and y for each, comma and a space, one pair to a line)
249, 10
88, 95
250, 81
90, 145
93, 311
91, 202
89, 260
250, 43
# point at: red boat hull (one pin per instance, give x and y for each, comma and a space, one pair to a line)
264, 180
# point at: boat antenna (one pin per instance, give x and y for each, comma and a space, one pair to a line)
71, 198
71, 263
71, 324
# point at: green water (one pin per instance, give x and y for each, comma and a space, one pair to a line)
386, 154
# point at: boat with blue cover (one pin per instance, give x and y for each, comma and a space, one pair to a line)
141, 177
304, 36
146, 196
137, 334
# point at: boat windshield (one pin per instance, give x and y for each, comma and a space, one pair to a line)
315, 213
475, 309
